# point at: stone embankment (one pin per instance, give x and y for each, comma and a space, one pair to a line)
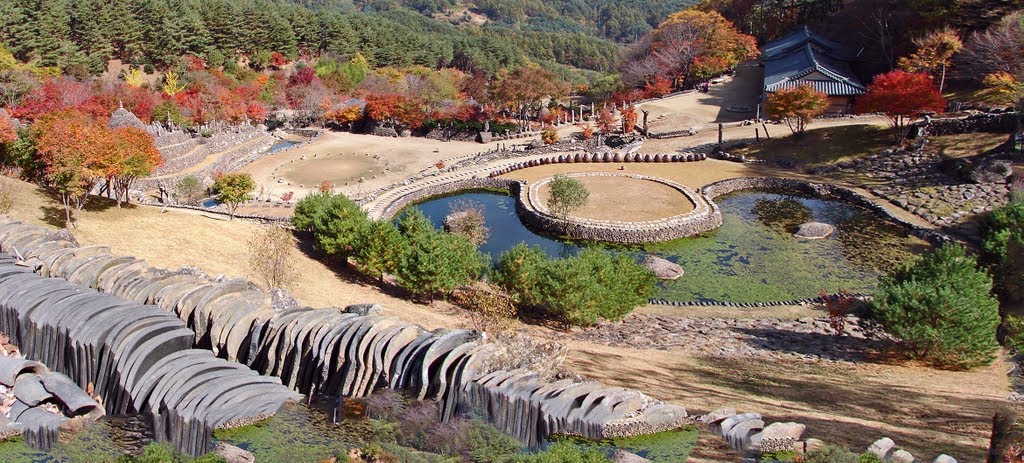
704, 217
37, 402
350, 353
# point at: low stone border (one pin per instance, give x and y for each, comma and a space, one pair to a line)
704, 217
600, 158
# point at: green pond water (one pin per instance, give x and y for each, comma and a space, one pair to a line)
752, 257
297, 434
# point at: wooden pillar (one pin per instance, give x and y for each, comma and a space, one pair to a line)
720, 127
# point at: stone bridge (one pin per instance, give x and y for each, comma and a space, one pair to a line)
186, 349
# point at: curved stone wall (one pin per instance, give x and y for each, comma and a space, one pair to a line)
606, 157
704, 217
137, 357
350, 353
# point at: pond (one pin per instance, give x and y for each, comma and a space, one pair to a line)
282, 145
211, 203
752, 257
299, 433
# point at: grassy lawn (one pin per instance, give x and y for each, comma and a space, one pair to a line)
965, 145
978, 95
822, 146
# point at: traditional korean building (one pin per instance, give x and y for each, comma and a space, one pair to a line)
806, 58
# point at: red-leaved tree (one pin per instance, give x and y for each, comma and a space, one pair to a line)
7, 133
901, 97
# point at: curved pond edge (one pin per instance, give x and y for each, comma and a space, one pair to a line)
705, 216
710, 192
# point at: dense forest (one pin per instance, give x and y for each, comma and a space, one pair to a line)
80, 36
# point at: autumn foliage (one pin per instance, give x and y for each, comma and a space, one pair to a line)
901, 97
797, 106
628, 119
7, 133
691, 44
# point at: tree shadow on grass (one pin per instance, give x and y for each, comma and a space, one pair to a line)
840, 403
345, 271
53, 213
825, 346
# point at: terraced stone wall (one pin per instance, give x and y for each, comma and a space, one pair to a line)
188, 318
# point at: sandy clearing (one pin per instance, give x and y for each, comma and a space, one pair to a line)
627, 199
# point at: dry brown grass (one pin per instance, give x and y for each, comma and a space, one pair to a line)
924, 410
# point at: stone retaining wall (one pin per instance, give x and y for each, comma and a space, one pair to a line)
606, 157
992, 123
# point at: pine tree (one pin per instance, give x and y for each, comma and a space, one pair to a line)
125, 30
52, 32
90, 28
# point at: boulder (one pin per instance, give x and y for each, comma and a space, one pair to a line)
233, 454
814, 230
813, 444
944, 459
535, 144
882, 447
622, 456
484, 137
718, 415
662, 268
901, 456
784, 430
991, 171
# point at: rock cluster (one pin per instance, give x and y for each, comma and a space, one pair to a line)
747, 432
941, 192
886, 450
37, 402
350, 353
809, 339
601, 157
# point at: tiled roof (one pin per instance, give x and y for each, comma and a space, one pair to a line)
785, 71
797, 39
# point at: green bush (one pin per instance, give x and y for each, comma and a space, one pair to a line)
378, 247
333, 219
831, 454
941, 308
868, 457
580, 290
434, 262
1004, 250
485, 444
163, 453
564, 452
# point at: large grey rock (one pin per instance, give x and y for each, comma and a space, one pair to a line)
233, 454
718, 415
882, 447
622, 456
662, 268
814, 230
991, 171
901, 456
944, 459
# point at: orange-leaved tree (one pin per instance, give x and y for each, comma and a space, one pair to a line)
697, 45
628, 119
934, 53
77, 151
7, 133
136, 156
901, 97
797, 106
